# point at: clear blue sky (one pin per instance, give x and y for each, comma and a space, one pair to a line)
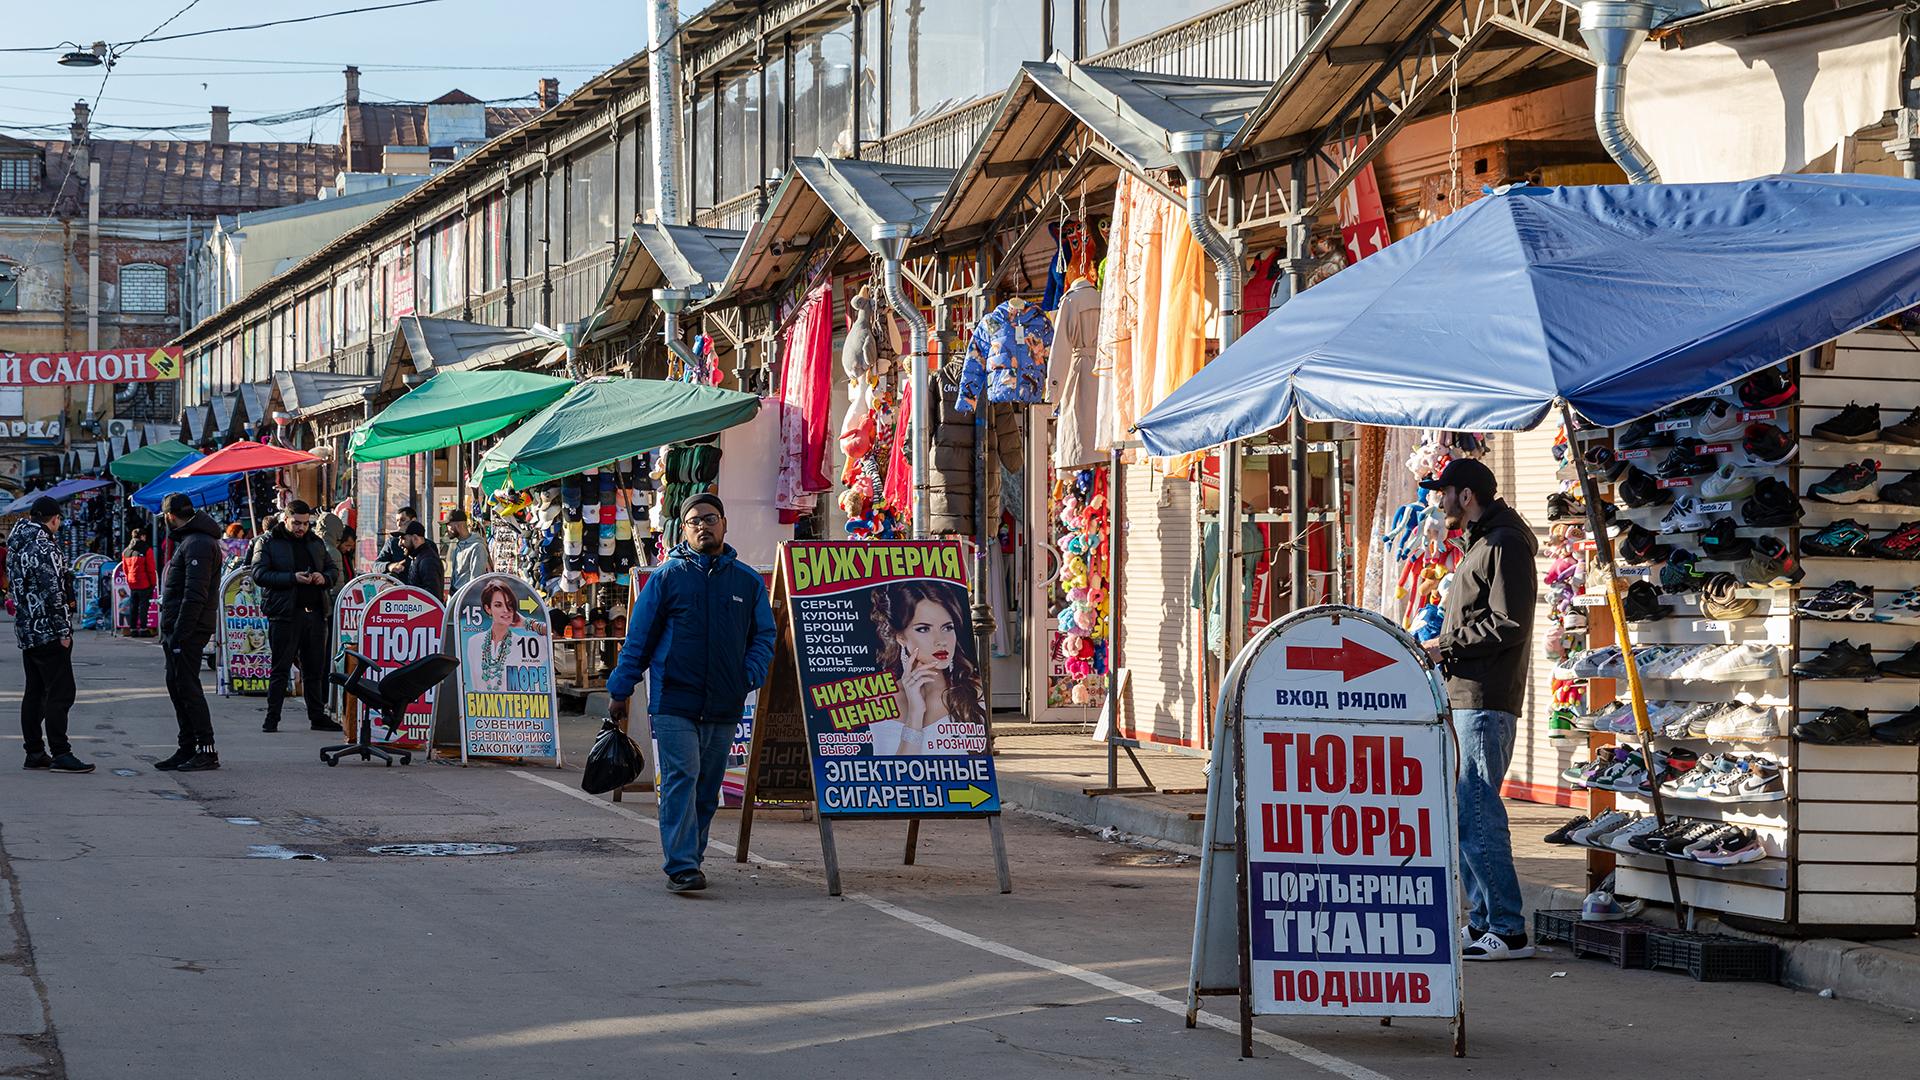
489, 48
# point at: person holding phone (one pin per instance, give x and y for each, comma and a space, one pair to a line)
294, 574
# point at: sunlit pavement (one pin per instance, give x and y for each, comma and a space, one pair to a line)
157, 947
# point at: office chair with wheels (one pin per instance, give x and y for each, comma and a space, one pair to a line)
388, 696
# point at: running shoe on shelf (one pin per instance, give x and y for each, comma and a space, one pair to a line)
1856, 481
1736, 663
1903, 608
1845, 538
1904, 666
1683, 516
1638, 489
1744, 723
1768, 445
1640, 435
1842, 600
1685, 460
1839, 660
1901, 730
1906, 432
1720, 423
1772, 505
1726, 484
1769, 388
1719, 540
1905, 491
1903, 543
1741, 845
1856, 423
1836, 726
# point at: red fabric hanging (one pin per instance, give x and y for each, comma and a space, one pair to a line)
899, 483
806, 392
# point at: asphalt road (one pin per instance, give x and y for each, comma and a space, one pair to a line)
148, 943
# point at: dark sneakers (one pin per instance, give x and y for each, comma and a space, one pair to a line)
1905, 490
1772, 505
200, 762
1835, 727
1768, 445
1685, 460
1768, 389
1563, 834
180, 757
324, 724
1850, 483
1902, 730
1840, 660
1904, 666
1906, 432
687, 881
1638, 490
1855, 423
1841, 539
40, 760
1902, 543
67, 763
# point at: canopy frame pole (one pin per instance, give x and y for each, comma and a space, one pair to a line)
1603, 553
1297, 473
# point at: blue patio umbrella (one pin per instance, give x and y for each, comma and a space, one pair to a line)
203, 490
1616, 300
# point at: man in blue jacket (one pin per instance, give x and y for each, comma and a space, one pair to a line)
702, 633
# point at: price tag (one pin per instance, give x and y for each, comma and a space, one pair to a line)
1725, 507
1710, 449
1675, 482
1709, 624
1751, 415
1673, 425
1632, 455
1634, 571
1589, 600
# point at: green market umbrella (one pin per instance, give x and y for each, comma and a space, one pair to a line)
149, 463
604, 420
455, 407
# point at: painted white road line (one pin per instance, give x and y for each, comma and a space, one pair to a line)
1296, 1050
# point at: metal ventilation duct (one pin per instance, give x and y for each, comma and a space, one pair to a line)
1614, 30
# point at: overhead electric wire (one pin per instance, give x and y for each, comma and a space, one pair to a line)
231, 29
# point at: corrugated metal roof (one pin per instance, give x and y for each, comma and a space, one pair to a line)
426, 344
819, 191
660, 256
370, 127
146, 178
253, 403
304, 389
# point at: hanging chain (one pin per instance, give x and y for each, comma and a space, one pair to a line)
1453, 135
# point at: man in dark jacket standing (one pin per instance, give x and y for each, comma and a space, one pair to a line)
189, 615
392, 557
294, 574
1483, 650
423, 568
702, 634
37, 575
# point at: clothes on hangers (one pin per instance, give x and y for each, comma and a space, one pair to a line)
1075, 385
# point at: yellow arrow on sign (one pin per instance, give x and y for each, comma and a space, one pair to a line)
162, 362
971, 795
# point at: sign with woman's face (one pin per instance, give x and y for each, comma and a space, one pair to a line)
502, 635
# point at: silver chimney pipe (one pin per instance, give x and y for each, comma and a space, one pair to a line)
663, 71
891, 241
1614, 30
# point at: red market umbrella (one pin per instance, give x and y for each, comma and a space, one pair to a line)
248, 456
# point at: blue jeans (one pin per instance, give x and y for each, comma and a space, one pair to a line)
1486, 849
693, 761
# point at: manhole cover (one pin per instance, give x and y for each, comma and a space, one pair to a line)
443, 849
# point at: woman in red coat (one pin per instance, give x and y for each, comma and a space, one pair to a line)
137, 563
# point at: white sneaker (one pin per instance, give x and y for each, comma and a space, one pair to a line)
1683, 516
1617, 839
1740, 662
1725, 484
1721, 423
1492, 946
1677, 665
1745, 722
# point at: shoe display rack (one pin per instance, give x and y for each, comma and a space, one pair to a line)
1750, 630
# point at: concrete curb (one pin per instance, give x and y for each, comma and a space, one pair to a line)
1853, 970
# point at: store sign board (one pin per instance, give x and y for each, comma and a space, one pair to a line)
246, 660
883, 645
503, 636
123, 604
348, 609
86, 588
79, 368
399, 625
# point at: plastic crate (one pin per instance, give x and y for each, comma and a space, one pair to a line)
1555, 925
1714, 957
1624, 942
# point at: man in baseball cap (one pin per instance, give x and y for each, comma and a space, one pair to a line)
1483, 649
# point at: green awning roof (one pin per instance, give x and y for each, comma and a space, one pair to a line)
605, 420
144, 465
455, 407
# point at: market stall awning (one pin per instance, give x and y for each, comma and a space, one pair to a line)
60, 492
149, 462
194, 421
821, 192
455, 407
220, 409
1619, 300
660, 256
203, 490
1131, 113
604, 420
253, 408
248, 456
301, 391
426, 345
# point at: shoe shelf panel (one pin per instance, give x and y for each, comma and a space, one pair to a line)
1704, 744
1772, 872
1876, 697
1831, 453
1855, 878
1820, 514
1855, 909
1886, 577
1647, 879
1858, 817
1863, 787
1876, 758
1826, 847
1769, 819
1887, 640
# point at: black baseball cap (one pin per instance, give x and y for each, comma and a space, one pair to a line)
414, 528
1464, 473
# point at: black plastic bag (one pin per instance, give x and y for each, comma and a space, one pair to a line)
613, 763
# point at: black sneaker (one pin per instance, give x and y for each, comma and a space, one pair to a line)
1638, 490
1902, 730
1902, 543
1906, 432
180, 757
1855, 423
1850, 483
1685, 460
1642, 603
1905, 490
42, 760
1564, 834
1640, 545
1842, 539
324, 724
1564, 507
1840, 600
1835, 727
270, 726
1719, 541
1640, 435
200, 762
1840, 660
1773, 505
1604, 464
1768, 389
687, 881
67, 763
1904, 666
1768, 445
1679, 575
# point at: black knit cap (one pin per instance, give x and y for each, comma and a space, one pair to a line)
707, 497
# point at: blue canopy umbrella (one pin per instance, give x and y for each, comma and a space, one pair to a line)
1616, 300
60, 492
203, 490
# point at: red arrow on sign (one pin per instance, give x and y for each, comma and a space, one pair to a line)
1351, 659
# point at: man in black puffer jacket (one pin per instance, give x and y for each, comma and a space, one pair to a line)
189, 614
294, 574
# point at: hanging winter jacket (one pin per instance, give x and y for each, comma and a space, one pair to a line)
1007, 356
37, 574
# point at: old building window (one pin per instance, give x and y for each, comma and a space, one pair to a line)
143, 289
9, 288
19, 173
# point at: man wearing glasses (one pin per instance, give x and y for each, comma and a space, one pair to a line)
294, 574
702, 634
